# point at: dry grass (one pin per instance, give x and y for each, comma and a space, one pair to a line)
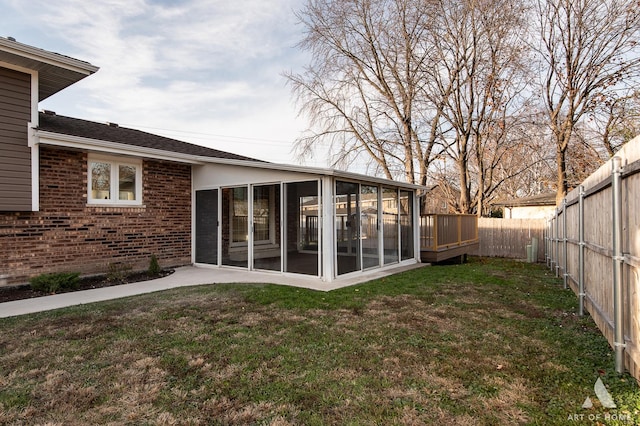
450, 345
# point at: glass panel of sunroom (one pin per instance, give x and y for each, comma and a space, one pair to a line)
347, 227
266, 227
235, 226
369, 226
406, 225
390, 224
207, 226
302, 219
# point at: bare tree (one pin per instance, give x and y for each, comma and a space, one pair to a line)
362, 90
482, 76
588, 49
538, 177
616, 120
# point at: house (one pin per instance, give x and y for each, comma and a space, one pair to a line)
82, 196
540, 206
436, 200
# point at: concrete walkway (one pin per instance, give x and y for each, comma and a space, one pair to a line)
184, 277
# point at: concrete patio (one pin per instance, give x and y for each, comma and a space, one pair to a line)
189, 276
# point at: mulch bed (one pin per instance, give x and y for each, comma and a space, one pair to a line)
8, 294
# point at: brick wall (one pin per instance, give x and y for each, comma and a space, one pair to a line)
69, 235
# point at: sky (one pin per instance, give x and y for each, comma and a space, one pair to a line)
208, 72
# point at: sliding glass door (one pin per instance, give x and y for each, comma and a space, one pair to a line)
390, 224
370, 228
347, 227
302, 228
266, 227
206, 229
406, 225
235, 226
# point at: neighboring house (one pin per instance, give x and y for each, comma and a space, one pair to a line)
76, 195
535, 207
436, 201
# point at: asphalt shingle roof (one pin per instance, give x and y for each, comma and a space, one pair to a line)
52, 122
547, 199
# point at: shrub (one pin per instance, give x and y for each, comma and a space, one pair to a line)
52, 283
154, 266
118, 272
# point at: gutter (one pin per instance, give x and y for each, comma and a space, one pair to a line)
46, 57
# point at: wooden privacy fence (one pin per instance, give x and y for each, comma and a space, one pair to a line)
510, 237
593, 243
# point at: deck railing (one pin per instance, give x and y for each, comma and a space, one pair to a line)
444, 231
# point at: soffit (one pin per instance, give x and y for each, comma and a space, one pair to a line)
55, 71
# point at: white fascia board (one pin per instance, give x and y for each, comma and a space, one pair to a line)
40, 55
382, 181
313, 171
70, 141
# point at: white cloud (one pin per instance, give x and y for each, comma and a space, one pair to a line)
209, 66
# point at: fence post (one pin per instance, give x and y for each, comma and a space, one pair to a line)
565, 274
557, 241
436, 221
581, 247
618, 260
552, 243
549, 243
546, 244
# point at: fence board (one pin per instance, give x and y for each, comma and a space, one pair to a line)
509, 237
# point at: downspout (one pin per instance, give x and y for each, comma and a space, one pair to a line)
618, 261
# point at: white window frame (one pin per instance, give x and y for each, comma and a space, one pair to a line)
115, 163
272, 217
250, 230
238, 244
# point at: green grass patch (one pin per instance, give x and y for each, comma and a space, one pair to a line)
488, 342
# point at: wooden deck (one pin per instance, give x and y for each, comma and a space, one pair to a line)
445, 236
431, 256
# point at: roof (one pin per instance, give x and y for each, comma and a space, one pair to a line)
55, 71
51, 122
82, 134
547, 199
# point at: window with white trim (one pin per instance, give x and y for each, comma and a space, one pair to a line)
114, 180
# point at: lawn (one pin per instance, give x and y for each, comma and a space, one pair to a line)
488, 342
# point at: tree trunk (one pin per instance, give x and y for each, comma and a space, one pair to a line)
465, 195
562, 175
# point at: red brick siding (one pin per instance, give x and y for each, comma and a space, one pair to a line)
69, 235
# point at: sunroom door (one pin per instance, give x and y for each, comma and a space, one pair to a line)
302, 227
235, 226
267, 253
390, 224
347, 226
206, 233
370, 227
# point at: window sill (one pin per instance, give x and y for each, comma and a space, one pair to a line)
117, 205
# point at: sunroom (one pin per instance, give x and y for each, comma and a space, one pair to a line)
297, 220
